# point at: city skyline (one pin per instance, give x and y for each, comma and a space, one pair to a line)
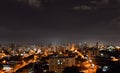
56, 22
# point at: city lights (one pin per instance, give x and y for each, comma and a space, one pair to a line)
59, 36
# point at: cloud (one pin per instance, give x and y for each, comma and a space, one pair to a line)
115, 24
33, 3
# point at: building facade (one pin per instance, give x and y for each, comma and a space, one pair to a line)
58, 64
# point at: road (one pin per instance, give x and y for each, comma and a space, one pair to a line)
19, 66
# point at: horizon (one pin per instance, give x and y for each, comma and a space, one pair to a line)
60, 21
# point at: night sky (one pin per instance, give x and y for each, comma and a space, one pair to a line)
58, 21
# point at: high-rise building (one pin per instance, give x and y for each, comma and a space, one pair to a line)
13, 46
97, 45
58, 64
73, 47
68, 46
